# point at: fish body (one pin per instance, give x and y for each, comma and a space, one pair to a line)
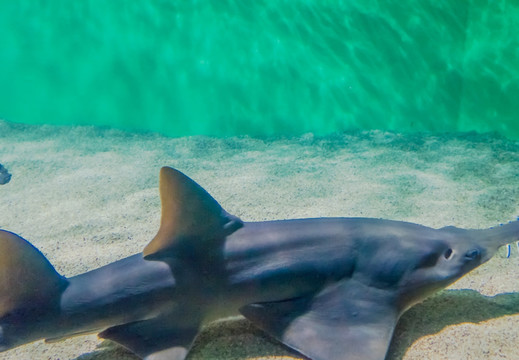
329, 288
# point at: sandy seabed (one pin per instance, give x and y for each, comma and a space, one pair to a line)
87, 196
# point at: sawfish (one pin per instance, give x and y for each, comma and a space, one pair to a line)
329, 288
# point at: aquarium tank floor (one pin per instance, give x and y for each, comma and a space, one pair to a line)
87, 196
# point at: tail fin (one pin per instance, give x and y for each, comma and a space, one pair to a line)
27, 279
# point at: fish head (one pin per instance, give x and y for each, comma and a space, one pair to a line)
445, 255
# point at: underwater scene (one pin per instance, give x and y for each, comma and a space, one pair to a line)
154, 156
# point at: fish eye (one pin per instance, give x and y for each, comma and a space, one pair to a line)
473, 254
447, 254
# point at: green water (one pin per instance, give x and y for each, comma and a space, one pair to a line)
262, 67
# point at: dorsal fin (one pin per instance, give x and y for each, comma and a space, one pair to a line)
27, 279
188, 211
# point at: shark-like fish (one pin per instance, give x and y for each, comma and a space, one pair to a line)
329, 288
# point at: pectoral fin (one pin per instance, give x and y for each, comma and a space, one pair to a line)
341, 322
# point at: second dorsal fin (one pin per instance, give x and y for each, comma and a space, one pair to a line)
188, 211
27, 279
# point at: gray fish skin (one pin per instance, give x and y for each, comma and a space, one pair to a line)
329, 288
268, 262
124, 291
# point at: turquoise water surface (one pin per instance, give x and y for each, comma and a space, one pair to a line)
227, 67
